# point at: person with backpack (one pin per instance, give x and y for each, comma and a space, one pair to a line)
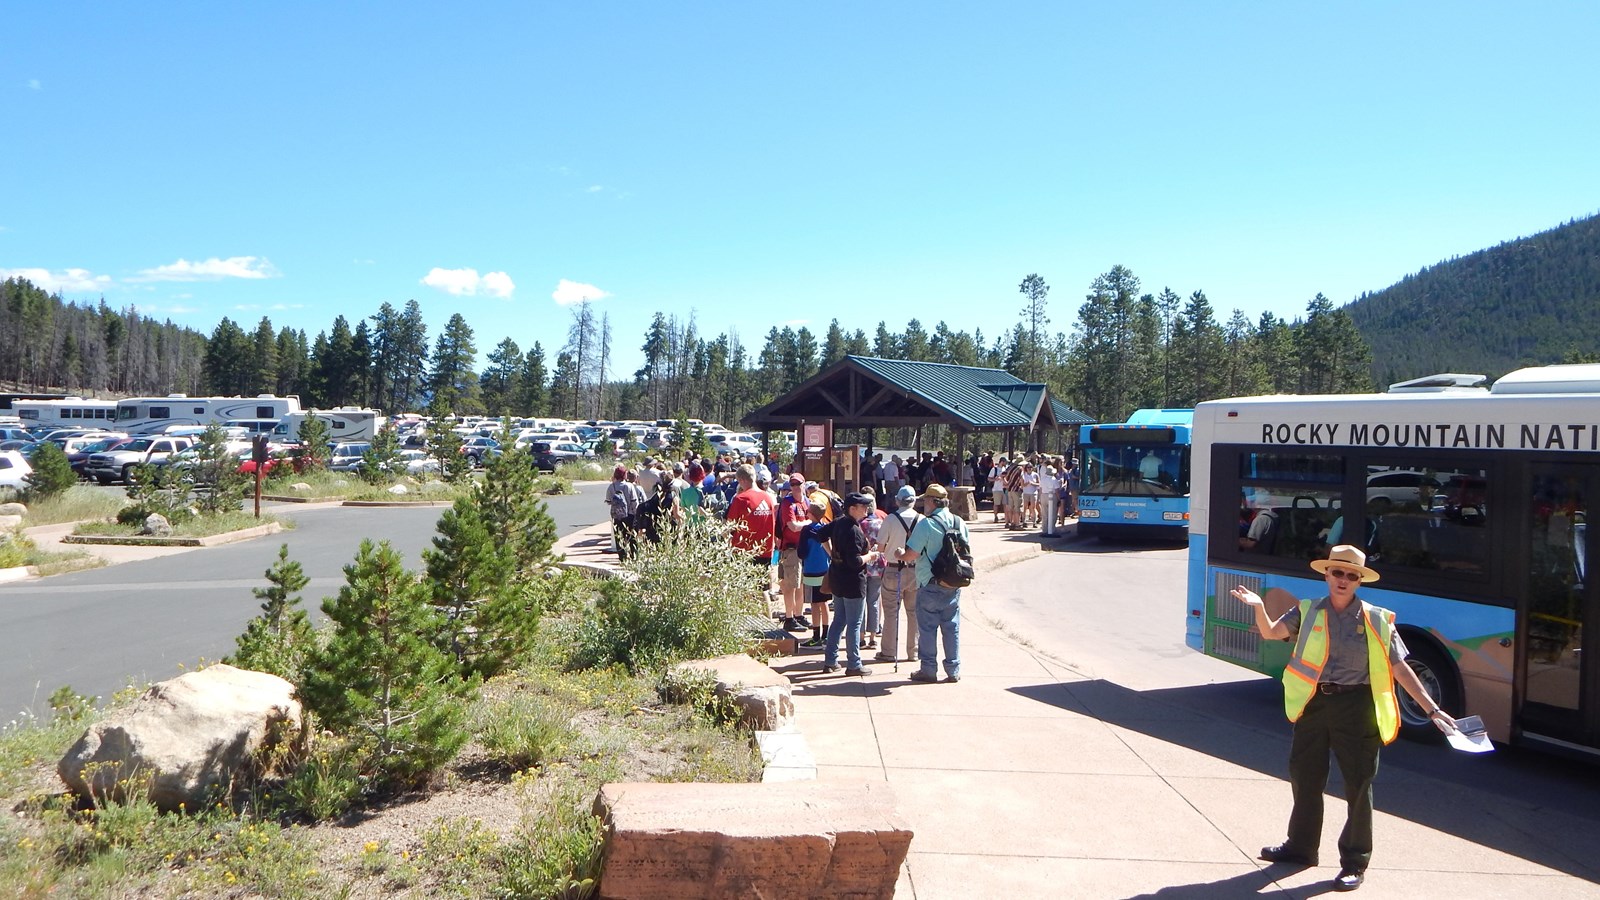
942, 550
814, 565
623, 498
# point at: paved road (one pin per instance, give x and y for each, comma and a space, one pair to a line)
1116, 613
141, 621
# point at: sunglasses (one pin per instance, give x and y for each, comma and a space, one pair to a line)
1342, 575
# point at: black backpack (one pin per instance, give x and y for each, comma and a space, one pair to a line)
952, 567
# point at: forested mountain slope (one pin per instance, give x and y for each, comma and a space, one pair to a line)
1530, 301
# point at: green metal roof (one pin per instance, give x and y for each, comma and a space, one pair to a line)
1066, 415
981, 397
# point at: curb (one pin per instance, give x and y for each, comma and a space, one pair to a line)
213, 540
18, 573
387, 503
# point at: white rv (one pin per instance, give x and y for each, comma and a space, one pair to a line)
345, 423
153, 415
66, 412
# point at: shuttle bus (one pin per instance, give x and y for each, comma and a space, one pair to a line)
150, 415
1471, 502
1135, 476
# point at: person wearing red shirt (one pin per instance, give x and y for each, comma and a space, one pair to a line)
754, 518
792, 520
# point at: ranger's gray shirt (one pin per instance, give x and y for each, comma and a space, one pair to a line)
1347, 642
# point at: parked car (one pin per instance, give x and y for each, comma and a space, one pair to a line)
1400, 487
15, 434
14, 470
346, 457
79, 458
117, 463
418, 462
479, 449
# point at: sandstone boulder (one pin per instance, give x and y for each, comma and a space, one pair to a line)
299, 487
764, 697
832, 839
9, 522
399, 490
187, 739
13, 509
156, 524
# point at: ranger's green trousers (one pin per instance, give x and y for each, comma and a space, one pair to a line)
1347, 725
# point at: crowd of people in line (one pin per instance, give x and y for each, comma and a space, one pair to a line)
858, 567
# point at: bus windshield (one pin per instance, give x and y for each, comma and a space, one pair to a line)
1136, 470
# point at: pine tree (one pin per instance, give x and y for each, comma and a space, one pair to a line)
444, 444
216, 468
470, 580
381, 676
313, 437
278, 639
381, 463
52, 473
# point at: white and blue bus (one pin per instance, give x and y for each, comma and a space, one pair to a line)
1134, 481
1471, 502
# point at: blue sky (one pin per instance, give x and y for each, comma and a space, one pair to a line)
762, 164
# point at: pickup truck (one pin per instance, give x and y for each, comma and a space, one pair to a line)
116, 464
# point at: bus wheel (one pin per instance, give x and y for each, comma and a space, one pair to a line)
1438, 674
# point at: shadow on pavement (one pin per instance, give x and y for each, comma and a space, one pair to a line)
1250, 884
1548, 806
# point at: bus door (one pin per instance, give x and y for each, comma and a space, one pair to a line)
1560, 610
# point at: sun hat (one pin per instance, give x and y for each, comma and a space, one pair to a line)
1349, 556
937, 492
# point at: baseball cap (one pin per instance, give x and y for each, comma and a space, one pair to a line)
797, 478
906, 494
856, 498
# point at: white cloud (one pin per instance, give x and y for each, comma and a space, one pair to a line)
452, 281
468, 283
279, 307
35, 84
61, 280
594, 189
568, 293
498, 284
213, 269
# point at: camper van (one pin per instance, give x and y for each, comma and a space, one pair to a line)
154, 415
345, 423
66, 412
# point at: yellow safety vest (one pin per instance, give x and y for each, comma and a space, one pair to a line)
1304, 670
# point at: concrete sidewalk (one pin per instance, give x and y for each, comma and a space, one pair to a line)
1028, 779
1031, 780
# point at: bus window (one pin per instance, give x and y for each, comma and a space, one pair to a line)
1287, 524
1427, 518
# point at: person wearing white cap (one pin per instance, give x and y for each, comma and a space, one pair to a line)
898, 593
1338, 690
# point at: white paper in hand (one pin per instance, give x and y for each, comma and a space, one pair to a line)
1470, 736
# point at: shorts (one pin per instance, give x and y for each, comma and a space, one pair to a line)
789, 568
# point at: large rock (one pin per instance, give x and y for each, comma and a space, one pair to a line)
188, 738
8, 522
832, 839
764, 698
399, 490
157, 524
13, 509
